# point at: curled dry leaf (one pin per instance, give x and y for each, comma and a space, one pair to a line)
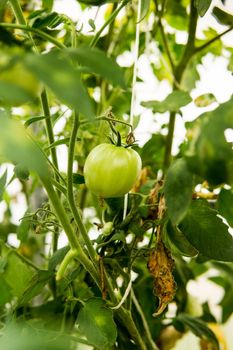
141, 180
160, 265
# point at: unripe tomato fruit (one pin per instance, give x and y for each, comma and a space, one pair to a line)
111, 171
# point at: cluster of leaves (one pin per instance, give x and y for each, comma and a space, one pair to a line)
177, 223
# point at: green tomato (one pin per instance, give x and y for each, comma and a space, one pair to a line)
111, 171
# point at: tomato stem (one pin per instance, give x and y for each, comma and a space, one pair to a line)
73, 239
70, 194
39, 32
118, 144
178, 73
109, 20
65, 262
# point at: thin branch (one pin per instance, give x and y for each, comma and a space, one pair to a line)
49, 127
70, 194
71, 235
109, 20
178, 72
40, 33
83, 122
190, 46
125, 296
166, 46
144, 321
64, 264
211, 41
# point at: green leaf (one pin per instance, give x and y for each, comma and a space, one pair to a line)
225, 280
47, 4
204, 100
3, 263
227, 303
3, 179
97, 325
172, 102
35, 286
95, 2
190, 76
222, 17
225, 205
178, 190
78, 179
207, 233
98, 62
50, 20
57, 257
176, 14
178, 243
145, 6
209, 154
33, 120
202, 6
21, 172
152, 152
17, 273
2, 5
91, 23
64, 141
23, 228
13, 95
5, 294
17, 146
36, 13
56, 71
198, 327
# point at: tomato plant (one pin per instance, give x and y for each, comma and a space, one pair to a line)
110, 270
111, 171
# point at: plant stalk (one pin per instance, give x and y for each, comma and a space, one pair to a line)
178, 73
145, 324
109, 20
65, 262
70, 194
125, 317
73, 239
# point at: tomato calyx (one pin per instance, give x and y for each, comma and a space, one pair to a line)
130, 139
116, 138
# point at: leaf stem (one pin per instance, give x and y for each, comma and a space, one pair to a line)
40, 33
144, 321
65, 262
107, 119
166, 45
49, 127
109, 20
73, 240
169, 140
211, 41
126, 318
190, 46
70, 194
